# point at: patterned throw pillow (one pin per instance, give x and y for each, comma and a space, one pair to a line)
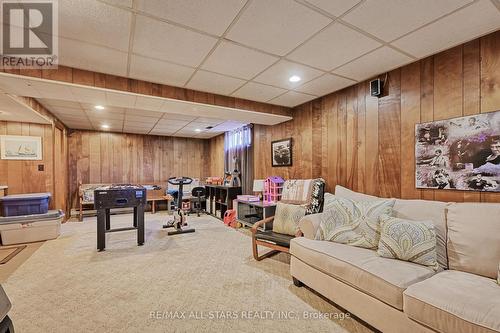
329, 201
407, 240
353, 222
287, 217
317, 196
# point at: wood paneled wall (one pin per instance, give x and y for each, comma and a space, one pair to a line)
367, 144
216, 155
102, 157
24, 176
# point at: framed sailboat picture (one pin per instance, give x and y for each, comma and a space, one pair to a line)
16, 147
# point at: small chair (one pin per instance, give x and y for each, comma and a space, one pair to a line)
278, 242
275, 241
197, 197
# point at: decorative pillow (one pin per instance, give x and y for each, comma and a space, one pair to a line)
317, 196
407, 240
287, 217
353, 222
329, 201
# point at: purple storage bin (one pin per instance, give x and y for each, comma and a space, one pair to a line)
25, 204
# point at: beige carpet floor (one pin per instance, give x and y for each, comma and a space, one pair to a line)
198, 282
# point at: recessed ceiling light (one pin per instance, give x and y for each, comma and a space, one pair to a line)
99, 107
105, 126
294, 78
197, 130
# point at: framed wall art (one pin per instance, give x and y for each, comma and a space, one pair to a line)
281, 152
16, 147
460, 153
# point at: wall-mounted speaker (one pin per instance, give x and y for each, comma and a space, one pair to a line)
376, 87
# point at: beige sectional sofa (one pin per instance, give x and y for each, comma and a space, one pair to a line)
399, 296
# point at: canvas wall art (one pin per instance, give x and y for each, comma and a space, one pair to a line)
460, 153
17, 147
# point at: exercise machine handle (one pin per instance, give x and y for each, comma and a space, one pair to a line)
178, 181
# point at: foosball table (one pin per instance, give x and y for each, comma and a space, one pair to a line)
119, 196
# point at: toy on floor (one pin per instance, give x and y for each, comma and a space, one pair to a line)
229, 217
179, 219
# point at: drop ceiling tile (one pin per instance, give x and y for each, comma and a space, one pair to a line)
214, 83
95, 22
60, 103
149, 103
276, 26
143, 113
209, 121
325, 84
107, 109
278, 74
105, 115
334, 7
129, 126
481, 18
376, 62
113, 126
238, 61
140, 119
89, 97
338, 44
152, 70
73, 118
110, 122
171, 122
92, 57
164, 128
390, 19
176, 116
291, 99
212, 16
161, 132
120, 99
64, 110
258, 92
194, 125
164, 41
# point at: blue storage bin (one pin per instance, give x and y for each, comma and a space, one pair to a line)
25, 204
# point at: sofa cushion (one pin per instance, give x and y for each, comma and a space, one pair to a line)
474, 238
407, 240
287, 217
453, 301
354, 222
382, 278
417, 210
426, 210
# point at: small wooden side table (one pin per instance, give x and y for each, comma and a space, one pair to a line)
153, 201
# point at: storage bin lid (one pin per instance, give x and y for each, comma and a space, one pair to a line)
27, 196
50, 215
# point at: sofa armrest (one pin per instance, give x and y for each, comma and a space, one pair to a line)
309, 225
261, 223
